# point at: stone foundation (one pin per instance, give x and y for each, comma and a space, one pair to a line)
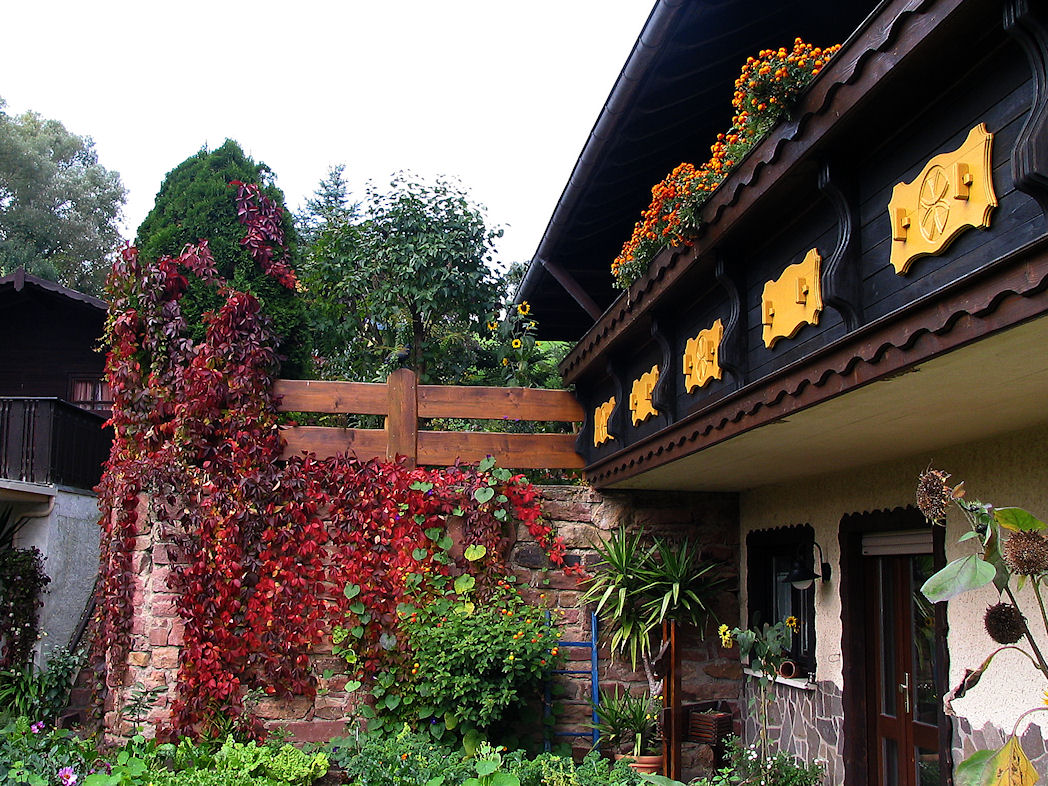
806, 722
580, 515
967, 740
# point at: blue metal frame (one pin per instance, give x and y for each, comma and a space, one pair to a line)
591, 645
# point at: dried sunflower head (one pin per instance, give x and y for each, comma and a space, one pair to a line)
934, 495
1005, 623
1026, 553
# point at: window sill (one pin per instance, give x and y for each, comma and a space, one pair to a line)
799, 684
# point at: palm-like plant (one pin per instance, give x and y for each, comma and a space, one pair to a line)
636, 588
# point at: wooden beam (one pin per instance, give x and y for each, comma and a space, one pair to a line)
313, 395
516, 451
444, 401
402, 421
365, 444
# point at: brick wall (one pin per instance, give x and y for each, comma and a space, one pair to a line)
581, 516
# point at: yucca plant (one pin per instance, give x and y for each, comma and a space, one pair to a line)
637, 587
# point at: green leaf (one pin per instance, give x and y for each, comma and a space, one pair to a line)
483, 494
434, 533
471, 741
485, 767
504, 779
353, 686
959, 576
419, 554
1018, 520
435, 781
967, 536
357, 608
392, 701
486, 464
450, 720
464, 584
351, 591
475, 551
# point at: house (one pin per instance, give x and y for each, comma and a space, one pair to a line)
53, 404
895, 221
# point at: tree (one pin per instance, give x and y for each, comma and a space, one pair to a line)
60, 209
409, 283
328, 205
196, 202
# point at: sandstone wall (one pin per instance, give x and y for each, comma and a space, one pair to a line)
581, 516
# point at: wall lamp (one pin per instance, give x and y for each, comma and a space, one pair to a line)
802, 577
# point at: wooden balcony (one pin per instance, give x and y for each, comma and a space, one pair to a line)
48, 441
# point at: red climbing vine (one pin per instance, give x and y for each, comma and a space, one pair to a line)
265, 547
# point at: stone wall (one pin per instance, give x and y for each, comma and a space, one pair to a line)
805, 720
581, 516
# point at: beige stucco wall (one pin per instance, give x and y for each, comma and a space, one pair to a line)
1008, 470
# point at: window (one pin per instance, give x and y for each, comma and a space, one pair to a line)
90, 393
770, 556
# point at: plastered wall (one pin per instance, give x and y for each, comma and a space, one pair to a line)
1007, 470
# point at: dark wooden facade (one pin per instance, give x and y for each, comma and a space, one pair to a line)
893, 98
50, 355
51, 337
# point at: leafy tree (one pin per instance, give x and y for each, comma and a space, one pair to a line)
408, 283
196, 202
60, 209
328, 205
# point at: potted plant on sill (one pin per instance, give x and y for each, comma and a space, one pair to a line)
636, 588
629, 726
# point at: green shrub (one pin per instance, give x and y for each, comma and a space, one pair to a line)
33, 754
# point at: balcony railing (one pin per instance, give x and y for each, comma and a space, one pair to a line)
49, 441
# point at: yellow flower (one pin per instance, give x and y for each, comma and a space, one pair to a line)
505, 361
524, 308
725, 636
493, 326
516, 343
1046, 698
792, 624
531, 325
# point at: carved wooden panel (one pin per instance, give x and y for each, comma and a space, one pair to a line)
641, 406
954, 191
601, 416
793, 300
701, 357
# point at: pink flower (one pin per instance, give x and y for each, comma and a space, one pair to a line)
67, 776
37, 727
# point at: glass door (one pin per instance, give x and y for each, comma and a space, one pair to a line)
903, 701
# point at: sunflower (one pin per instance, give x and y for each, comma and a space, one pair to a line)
493, 326
792, 623
524, 308
516, 343
725, 636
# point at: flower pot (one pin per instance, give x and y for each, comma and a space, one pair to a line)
708, 728
649, 764
788, 669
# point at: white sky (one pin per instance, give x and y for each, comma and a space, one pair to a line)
500, 94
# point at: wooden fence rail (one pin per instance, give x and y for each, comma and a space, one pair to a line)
403, 401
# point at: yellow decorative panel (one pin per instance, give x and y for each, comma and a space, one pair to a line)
641, 407
793, 300
953, 191
600, 422
701, 357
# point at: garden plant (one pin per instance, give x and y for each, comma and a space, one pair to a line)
1011, 554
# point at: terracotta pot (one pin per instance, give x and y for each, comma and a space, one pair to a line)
788, 669
649, 764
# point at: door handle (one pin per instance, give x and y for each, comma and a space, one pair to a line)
904, 689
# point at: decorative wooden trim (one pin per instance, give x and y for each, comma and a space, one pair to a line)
700, 363
664, 396
842, 276
1029, 27
732, 350
953, 192
641, 405
1009, 292
601, 416
793, 300
617, 423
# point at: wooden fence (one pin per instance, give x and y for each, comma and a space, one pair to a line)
403, 401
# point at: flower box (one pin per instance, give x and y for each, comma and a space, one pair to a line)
708, 728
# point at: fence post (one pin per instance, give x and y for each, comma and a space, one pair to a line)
402, 421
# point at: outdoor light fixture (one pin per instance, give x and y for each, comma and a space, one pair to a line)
802, 577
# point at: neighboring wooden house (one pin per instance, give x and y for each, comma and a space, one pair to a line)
923, 342
53, 404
